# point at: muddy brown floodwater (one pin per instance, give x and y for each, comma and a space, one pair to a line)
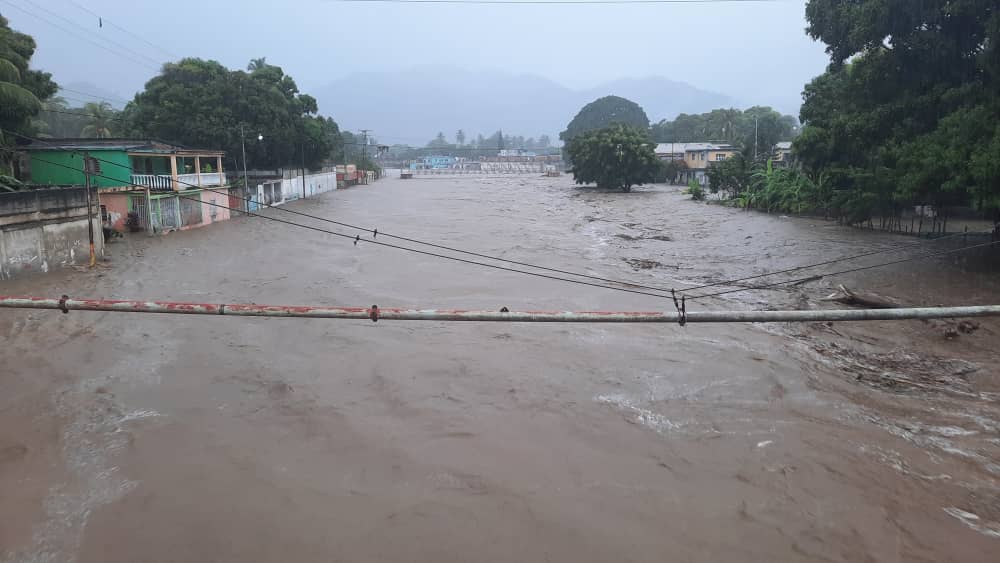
169, 438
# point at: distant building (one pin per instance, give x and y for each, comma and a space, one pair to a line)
433, 163
783, 156
699, 157
516, 153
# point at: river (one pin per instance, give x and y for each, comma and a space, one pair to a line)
155, 437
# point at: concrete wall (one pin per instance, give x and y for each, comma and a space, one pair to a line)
41, 230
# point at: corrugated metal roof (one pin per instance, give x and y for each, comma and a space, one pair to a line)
132, 145
666, 148
784, 145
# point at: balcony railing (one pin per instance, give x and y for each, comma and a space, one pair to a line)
153, 181
162, 182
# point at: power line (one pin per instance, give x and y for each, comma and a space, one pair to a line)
358, 238
112, 42
556, 2
101, 98
567, 272
859, 269
80, 36
103, 20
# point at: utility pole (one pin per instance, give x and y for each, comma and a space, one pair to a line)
89, 166
364, 146
755, 138
302, 154
246, 183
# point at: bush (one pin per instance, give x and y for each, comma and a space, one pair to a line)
695, 190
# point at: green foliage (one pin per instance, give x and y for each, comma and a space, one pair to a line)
732, 126
906, 112
617, 157
203, 104
695, 190
21, 89
731, 176
605, 112
101, 120
670, 170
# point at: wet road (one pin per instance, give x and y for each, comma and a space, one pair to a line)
156, 438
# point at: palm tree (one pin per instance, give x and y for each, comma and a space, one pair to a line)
17, 103
99, 120
257, 64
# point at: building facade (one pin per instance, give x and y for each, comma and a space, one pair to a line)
143, 185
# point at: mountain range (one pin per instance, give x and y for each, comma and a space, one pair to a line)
412, 106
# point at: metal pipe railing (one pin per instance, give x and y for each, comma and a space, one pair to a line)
398, 314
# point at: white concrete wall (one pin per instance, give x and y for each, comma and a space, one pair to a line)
39, 247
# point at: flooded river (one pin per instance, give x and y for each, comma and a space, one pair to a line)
154, 438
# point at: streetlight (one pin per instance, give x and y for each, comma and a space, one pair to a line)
243, 145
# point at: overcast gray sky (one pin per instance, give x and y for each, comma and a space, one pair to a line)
754, 52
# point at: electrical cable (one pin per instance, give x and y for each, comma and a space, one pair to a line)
556, 270
82, 37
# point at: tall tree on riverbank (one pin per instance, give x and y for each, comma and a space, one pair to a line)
617, 157
605, 112
906, 112
203, 104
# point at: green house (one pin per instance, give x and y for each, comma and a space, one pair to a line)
123, 165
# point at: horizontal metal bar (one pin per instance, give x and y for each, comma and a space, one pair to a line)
396, 314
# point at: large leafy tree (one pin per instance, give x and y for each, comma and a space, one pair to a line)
906, 113
22, 90
203, 104
605, 112
617, 157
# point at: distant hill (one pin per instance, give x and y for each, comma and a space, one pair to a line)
411, 106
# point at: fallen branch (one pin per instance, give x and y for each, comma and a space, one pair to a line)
862, 299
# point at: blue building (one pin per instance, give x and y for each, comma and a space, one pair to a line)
433, 163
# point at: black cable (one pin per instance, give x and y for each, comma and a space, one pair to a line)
83, 37
825, 263
358, 238
550, 2
859, 269
556, 270
113, 24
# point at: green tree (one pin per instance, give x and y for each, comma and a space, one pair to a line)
616, 157
604, 112
202, 103
460, 137
22, 90
906, 112
100, 120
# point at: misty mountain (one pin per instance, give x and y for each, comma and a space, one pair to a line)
411, 106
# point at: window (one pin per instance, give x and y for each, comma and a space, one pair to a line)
703, 156
720, 156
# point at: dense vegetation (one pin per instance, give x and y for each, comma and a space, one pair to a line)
203, 104
22, 92
906, 113
616, 157
758, 125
